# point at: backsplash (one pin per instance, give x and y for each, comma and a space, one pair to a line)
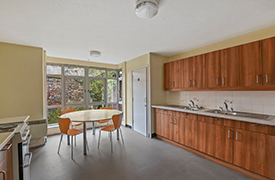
247, 101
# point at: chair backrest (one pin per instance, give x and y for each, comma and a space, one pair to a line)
64, 124
106, 108
67, 111
117, 119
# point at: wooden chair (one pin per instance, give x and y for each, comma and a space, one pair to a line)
117, 119
64, 124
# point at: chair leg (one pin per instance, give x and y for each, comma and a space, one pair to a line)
72, 146
60, 143
117, 131
111, 142
121, 135
75, 141
99, 139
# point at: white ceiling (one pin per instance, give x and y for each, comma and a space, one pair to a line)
71, 28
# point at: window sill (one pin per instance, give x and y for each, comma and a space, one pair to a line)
53, 125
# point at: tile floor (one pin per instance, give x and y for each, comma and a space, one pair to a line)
140, 158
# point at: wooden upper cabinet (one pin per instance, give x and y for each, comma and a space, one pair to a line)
167, 76
213, 69
176, 74
230, 67
250, 65
187, 74
198, 71
268, 56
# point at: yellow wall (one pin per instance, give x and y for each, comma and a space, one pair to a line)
158, 95
131, 65
246, 38
55, 60
21, 78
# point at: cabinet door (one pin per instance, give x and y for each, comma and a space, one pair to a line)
250, 65
167, 129
176, 75
167, 76
255, 152
187, 74
191, 131
178, 130
230, 67
159, 124
215, 140
6, 161
213, 69
268, 54
198, 71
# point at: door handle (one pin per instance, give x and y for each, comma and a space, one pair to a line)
266, 78
236, 135
217, 81
171, 120
175, 119
229, 133
4, 174
257, 79
194, 82
213, 118
223, 81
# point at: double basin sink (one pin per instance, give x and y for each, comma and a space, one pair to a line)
229, 113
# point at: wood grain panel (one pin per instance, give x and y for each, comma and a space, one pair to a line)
268, 56
191, 131
167, 76
199, 79
230, 67
250, 64
187, 72
213, 69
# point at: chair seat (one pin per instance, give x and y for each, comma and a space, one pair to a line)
109, 128
104, 121
76, 123
73, 132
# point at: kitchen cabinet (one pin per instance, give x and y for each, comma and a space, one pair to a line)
250, 65
167, 76
190, 130
255, 151
6, 162
230, 67
187, 73
213, 69
215, 140
172, 75
268, 56
198, 71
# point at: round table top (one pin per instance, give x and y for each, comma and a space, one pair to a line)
91, 115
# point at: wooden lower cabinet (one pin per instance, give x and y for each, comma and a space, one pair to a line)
238, 143
255, 152
216, 141
6, 162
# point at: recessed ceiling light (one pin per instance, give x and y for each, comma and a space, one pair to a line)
146, 8
95, 53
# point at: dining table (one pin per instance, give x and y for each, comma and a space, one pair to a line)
90, 116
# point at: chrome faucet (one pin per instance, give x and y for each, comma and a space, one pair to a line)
226, 106
221, 108
193, 104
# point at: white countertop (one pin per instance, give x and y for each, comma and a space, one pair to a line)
271, 120
6, 136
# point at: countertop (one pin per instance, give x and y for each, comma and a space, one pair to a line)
271, 120
6, 136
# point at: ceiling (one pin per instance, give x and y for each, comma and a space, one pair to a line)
72, 28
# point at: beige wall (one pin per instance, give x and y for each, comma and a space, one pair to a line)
131, 65
158, 95
55, 60
246, 38
21, 78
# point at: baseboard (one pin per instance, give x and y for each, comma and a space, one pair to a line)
128, 126
217, 161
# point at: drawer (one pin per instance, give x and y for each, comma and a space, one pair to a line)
161, 111
211, 120
255, 127
189, 116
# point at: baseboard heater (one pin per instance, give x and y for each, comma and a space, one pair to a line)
38, 130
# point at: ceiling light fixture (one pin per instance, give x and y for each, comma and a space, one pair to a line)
146, 8
95, 53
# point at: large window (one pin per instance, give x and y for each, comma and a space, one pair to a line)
79, 88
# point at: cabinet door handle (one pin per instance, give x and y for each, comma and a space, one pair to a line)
4, 174
229, 133
175, 120
194, 82
171, 120
213, 118
257, 79
236, 135
223, 81
217, 81
184, 113
266, 78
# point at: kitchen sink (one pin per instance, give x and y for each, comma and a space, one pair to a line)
241, 114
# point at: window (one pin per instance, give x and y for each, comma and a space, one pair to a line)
79, 88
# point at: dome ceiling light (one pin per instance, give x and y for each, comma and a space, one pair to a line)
146, 8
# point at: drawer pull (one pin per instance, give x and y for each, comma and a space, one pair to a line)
229, 133
171, 119
184, 113
194, 82
257, 79
175, 121
5, 149
236, 135
256, 124
266, 78
223, 81
213, 118
217, 81
4, 174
